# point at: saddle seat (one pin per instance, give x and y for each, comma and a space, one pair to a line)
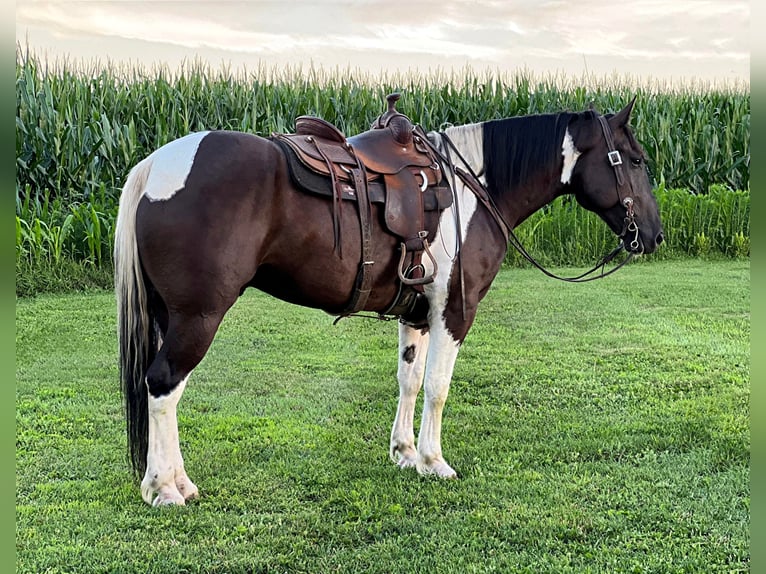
382, 151
317, 127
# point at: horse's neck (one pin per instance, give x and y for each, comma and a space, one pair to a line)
535, 193
540, 187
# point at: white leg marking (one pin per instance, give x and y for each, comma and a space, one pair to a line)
165, 474
171, 166
570, 153
442, 354
413, 347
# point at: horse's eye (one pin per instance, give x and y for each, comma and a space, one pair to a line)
635, 161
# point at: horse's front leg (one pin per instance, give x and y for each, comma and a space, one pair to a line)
442, 353
413, 348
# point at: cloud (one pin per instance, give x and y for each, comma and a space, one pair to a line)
157, 23
117, 20
643, 29
685, 33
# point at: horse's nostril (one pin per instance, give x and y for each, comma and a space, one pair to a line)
660, 238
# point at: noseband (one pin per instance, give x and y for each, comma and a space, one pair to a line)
615, 160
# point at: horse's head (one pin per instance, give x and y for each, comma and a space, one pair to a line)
610, 178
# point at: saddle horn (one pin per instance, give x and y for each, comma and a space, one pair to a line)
400, 125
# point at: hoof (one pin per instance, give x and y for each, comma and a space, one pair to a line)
166, 493
169, 499
436, 468
187, 488
407, 462
404, 457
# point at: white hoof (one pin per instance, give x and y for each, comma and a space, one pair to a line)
186, 487
407, 462
167, 493
169, 497
404, 457
436, 467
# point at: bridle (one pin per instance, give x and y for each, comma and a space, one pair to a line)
615, 160
470, 179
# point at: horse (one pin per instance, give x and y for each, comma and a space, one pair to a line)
208, 215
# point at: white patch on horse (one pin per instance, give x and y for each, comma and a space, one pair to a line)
171, 166
444, 244
570, 154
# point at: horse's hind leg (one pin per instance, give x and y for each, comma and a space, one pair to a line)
413, 348
185, 343
165, 474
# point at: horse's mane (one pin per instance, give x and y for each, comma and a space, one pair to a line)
518, 148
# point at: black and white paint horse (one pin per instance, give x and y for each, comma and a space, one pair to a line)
208, 215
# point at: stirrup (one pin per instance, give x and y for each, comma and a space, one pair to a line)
420, 280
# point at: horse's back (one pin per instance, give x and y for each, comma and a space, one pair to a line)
200, 160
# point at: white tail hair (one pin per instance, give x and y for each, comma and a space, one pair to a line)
137, 344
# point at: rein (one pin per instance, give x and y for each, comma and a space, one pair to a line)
470, 178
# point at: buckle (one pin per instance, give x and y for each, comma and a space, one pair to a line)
615, 158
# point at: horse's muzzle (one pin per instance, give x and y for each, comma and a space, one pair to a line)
642, 246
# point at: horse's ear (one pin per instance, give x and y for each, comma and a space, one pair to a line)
622, 117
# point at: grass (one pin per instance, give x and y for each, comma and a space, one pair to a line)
68, 275
595, 428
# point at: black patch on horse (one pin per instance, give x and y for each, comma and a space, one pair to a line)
409, 354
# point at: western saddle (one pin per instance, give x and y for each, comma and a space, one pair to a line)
392, 163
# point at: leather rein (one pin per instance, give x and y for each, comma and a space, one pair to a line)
469, 178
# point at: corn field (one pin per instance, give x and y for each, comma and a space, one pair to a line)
80, 128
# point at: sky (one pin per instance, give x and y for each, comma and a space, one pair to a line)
669, 40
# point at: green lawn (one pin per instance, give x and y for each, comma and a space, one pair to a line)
601, 427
